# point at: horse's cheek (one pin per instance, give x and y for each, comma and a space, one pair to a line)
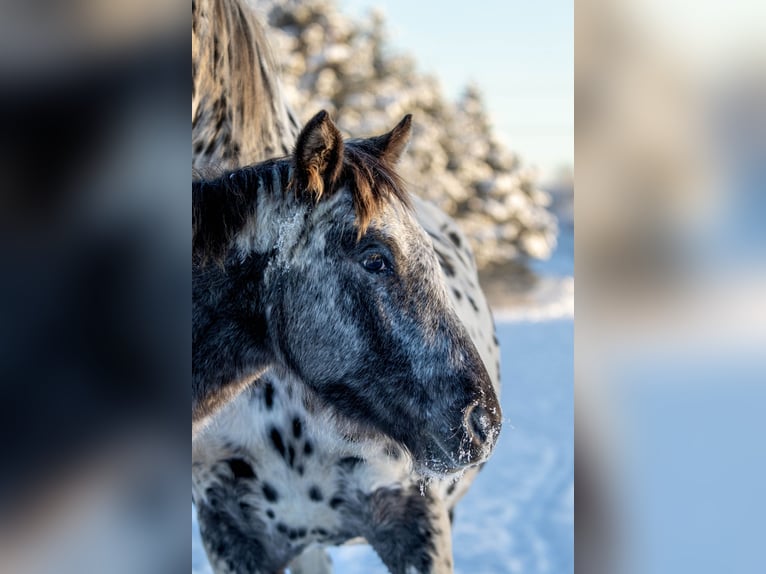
317, 335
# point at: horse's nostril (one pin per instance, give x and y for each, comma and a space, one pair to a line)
478, 424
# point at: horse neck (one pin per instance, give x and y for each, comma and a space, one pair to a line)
231, 341
229, 348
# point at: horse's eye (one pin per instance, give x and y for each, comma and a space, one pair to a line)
375, 263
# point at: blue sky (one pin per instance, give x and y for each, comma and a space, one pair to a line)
520, 53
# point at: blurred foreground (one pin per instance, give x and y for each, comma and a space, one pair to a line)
671, 266
94, 298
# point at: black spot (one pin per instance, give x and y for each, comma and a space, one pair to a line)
319, 531
270, 513
451, 515
291, 455
240, 468
458, 294
276, 441
473, 303
349, 463
455, 238
245, 507
300, 469
307, 448
451, 488
297, 427
220, 122
446, 264
433, 235
292, 535
315, 494
210, 148
494, 339
281, 528
335, 502
269, 492
268, 395
301, 532
219, 547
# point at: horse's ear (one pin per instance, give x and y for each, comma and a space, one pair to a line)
318, 155
391, 146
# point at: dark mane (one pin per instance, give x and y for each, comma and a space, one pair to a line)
222, 203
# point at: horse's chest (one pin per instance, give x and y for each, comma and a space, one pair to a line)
296, 477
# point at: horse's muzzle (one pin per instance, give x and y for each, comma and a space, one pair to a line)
468, 443
479, 427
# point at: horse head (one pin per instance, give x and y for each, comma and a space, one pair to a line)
317, 264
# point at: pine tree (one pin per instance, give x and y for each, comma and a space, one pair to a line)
344, 65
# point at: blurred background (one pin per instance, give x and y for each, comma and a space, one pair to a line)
671, 196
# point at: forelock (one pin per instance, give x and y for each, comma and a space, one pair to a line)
373, 183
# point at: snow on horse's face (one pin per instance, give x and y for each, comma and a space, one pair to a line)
322, 268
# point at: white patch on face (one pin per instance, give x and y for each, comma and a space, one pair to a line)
277, 223
258, 232
287, 235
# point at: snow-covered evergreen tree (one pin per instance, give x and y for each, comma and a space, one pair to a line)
332, 61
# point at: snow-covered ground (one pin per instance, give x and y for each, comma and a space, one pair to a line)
519, 514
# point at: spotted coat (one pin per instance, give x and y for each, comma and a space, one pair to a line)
279, 474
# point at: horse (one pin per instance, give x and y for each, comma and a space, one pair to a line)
237, 462
312, 275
